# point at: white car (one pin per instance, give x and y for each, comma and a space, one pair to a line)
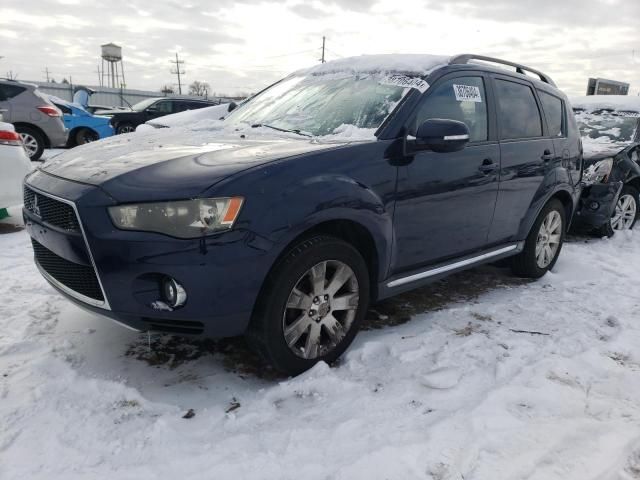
14, 165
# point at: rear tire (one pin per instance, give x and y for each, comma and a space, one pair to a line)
543, 244
33, 141
84, 136
311, 306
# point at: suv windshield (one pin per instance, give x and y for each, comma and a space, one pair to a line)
140, 106
608, 126
324, 104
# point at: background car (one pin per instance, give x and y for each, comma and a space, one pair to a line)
126, 121
83, 126
14, 165
610, 130
34, 117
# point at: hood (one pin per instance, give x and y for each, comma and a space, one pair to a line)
113, 111
597, 149
149, 167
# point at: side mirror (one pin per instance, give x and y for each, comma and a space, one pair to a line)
232, 107
442, 136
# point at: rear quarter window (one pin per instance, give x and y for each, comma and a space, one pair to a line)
9, 91
519, 112
554, 113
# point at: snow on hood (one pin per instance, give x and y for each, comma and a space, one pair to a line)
592, 103
601, 147
419, 64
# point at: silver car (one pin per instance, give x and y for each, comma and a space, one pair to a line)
34, 117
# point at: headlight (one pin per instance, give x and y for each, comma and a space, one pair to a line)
182, 219
599, 172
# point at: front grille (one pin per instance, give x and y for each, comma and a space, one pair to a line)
51, 211
79, 278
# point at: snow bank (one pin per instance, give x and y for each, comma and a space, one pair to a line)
613, 102
537, 380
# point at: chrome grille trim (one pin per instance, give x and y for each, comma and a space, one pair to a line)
105, 304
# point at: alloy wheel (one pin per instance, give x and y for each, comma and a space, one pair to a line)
126, 129
30, 144
320, 309
548, 240
625, 212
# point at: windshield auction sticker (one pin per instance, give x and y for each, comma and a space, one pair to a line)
405, 82
467, 93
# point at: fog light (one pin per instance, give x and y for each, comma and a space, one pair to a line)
174, 293
594, 205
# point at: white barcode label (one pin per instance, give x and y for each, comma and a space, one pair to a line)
467, 93
406, 82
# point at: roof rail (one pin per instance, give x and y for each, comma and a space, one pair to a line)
462, 59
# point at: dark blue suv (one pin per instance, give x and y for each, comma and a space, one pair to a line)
336, 187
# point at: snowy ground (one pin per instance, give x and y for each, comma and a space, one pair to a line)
480, 376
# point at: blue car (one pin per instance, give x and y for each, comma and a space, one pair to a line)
336, 187
83, 126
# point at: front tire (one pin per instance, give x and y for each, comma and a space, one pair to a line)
33, 142
543, 244
311, 306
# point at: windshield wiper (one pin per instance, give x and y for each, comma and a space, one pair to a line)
296, 131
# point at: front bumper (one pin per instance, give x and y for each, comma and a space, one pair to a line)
597, 205
221, 274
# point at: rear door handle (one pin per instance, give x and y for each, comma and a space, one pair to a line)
547, 156
487, 166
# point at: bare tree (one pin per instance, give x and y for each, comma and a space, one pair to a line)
167, 89
199, 88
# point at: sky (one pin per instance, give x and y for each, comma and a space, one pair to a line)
240, 46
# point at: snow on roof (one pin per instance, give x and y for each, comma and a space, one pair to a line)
610, 102
414, 63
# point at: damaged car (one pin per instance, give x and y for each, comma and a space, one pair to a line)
609, 128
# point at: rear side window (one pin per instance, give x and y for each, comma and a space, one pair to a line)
554, 112
462, 99
520, 116
164, 107
63, 108
10, 91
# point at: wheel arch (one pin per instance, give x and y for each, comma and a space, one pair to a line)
567, 201
351, 231
72, 133
47, 142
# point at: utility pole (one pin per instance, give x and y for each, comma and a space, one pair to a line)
47, 72
323, 41
178, 71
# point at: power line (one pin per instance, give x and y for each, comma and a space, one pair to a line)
178, 71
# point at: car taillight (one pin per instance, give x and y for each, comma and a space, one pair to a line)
10, 138
50, 111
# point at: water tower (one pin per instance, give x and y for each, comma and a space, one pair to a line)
114, 71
